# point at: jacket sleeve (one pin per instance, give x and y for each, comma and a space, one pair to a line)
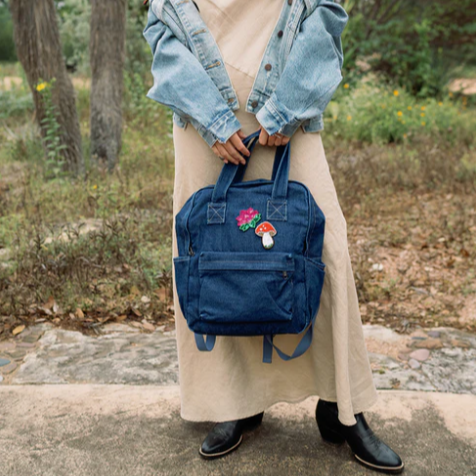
182, 84
311, 74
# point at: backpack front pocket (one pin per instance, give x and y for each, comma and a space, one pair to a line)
246, 287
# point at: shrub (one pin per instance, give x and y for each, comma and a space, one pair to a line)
415, 45
379, 114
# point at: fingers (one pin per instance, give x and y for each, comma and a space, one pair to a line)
236, 157
280, 139
273, 140
263, 137
218, 153
239, 146
224, 153
229, 153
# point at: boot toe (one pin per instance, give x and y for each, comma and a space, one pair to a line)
223, 439
386, 460
215, 448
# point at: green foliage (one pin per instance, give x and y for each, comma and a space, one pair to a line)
52, 136
15, 103
414, 45
137, 50
137, 107
407, 57
7, 47
378, 114
74, 18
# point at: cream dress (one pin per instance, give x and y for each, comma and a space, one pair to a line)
231, 382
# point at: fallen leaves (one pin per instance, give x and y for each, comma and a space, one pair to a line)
421, 252
18, 329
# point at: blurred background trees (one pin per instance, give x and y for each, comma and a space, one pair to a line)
38, 48
106, 49
89, 39
416, 45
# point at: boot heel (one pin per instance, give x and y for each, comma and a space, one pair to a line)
329, 435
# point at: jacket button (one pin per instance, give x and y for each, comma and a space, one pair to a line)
267, 67
254, 104
280, 33
230, 99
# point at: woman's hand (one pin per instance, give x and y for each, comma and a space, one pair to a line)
230, 151
275, 139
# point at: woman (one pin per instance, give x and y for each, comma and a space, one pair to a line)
229, 68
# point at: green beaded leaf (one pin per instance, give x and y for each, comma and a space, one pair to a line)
252, 223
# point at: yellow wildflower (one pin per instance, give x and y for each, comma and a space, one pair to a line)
41, 86
422, 114
409, 108
346, 86
95, 187
423, 123
349, 118
423, 108
335, 118
440, 104
395, 93
399, 113
404, 136
450, 94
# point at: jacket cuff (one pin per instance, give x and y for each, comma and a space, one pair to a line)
274, 118
222, 129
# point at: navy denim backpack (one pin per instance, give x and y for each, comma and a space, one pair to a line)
249, 257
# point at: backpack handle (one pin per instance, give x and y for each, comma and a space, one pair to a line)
280, 171
242, 168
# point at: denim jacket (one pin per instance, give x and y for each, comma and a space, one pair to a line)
298, 75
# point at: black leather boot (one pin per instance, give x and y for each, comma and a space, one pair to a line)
368, 449
227, 436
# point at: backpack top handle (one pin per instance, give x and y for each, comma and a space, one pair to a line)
280, 171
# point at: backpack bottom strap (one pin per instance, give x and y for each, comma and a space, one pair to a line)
302, 347
207, 345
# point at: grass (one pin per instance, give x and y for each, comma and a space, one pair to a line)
101, 245
83, 252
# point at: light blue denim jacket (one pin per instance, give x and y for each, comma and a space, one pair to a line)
298, 75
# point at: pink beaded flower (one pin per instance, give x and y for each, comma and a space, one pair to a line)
248, 218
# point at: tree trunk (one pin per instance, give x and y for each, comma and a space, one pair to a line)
37, 42
107, 52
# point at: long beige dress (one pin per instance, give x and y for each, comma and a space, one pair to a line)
231, 382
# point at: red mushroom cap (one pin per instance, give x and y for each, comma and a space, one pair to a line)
265, 227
